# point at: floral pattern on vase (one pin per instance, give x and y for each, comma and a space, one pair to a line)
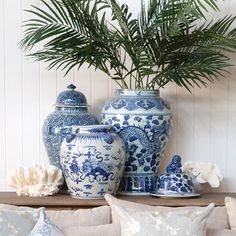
143, 120
71, 109
93, 161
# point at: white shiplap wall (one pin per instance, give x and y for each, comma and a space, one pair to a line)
204, 125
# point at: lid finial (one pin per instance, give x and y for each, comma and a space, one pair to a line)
72, 87
175, 166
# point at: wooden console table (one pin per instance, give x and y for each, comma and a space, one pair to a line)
61, 201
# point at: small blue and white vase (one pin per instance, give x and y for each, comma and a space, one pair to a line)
71, 109
93, 161
174, 181
143, 120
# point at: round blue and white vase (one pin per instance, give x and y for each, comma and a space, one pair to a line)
143, 120
71, 109
93, 161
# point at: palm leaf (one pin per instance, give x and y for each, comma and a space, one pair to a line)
72, 33
164, 44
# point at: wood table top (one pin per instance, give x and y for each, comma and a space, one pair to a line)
66, 201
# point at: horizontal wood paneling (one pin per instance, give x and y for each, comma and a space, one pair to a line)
204, 126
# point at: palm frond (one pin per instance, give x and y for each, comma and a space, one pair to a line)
182, 52
72, 33
196, 68
163, 44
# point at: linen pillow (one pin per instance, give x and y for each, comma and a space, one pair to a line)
45, 227
230, 204
112, 201
133, 214
20, 223
98, 230
82, 217
218, 219
183, 222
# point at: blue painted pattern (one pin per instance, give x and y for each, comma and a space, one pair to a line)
143, 120
45, 227
71, 98
174, 180
93, 162
71, 110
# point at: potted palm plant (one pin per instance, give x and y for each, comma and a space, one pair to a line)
165, 43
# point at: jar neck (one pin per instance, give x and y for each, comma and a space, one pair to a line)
90, 129
138, 92
77, 109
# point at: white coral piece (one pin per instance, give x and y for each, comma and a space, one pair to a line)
204, 172
36, 181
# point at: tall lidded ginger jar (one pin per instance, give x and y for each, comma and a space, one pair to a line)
71, 109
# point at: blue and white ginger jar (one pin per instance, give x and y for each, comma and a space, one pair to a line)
143, 120
93, 161
71, 109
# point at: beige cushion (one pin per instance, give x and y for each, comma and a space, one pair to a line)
81, 217
218, 219
230, 204
221, 232
99, 230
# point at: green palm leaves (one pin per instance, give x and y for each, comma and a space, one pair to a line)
163, 44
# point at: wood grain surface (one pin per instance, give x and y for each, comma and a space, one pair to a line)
63, 201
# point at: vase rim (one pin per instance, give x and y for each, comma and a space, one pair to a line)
138, 92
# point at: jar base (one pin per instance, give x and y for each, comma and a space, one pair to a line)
138, 184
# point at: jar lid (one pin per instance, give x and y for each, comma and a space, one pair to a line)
71, 98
